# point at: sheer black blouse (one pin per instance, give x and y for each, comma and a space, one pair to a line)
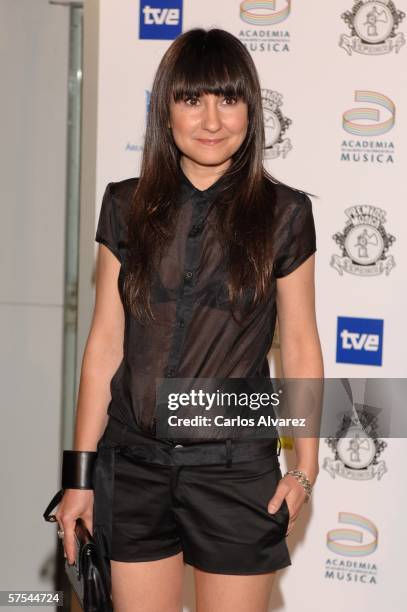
194, 334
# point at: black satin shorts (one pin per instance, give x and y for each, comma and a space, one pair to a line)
155, 498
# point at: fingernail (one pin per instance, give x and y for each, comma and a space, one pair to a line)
272, 509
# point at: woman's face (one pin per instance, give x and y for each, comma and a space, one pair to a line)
209, 129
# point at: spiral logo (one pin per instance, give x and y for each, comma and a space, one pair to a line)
358, 549
353, 119
264, 13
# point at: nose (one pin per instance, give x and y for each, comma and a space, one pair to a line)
211, 119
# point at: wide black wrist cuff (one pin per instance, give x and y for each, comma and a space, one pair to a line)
77, 469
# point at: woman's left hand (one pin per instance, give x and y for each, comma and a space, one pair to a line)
289, 488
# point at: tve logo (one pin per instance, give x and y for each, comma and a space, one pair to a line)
359, 341
160, 19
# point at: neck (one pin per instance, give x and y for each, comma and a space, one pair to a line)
202, 177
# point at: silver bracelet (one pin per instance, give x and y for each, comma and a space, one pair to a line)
303, 480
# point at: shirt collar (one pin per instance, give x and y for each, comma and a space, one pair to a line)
189, 190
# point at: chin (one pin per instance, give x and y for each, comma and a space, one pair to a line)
210, 159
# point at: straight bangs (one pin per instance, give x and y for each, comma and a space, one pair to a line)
207, 66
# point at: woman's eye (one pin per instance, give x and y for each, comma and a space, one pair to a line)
230, 100
191, 101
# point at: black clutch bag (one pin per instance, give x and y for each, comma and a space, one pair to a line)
89, 575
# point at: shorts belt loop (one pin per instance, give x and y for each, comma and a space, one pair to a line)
228, 452
278, 446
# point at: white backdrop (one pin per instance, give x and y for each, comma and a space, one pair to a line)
335, 100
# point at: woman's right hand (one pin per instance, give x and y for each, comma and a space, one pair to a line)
75, 503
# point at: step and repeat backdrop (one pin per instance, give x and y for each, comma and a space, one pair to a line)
334, 89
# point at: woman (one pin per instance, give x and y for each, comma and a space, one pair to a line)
196, 258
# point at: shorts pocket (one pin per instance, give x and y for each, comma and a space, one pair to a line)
286, 513
282, 515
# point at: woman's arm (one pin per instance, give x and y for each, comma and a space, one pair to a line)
301, 355
103, 354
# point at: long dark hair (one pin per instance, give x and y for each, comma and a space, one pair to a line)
215, 62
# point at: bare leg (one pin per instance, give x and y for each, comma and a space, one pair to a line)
224, 593
148, 586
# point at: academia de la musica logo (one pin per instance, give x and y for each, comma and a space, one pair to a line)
351, 547
365, 125
373, 28
364, 243
265, 26
276, 125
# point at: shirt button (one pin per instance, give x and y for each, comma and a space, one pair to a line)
188, 274
181, 323
195, 230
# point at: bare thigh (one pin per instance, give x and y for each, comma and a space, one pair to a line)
232, 593
148, 586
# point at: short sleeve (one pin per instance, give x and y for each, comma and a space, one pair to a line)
299, 240
108, 231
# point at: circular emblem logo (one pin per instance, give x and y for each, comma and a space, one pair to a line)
364, 244
373, 22
356, 450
